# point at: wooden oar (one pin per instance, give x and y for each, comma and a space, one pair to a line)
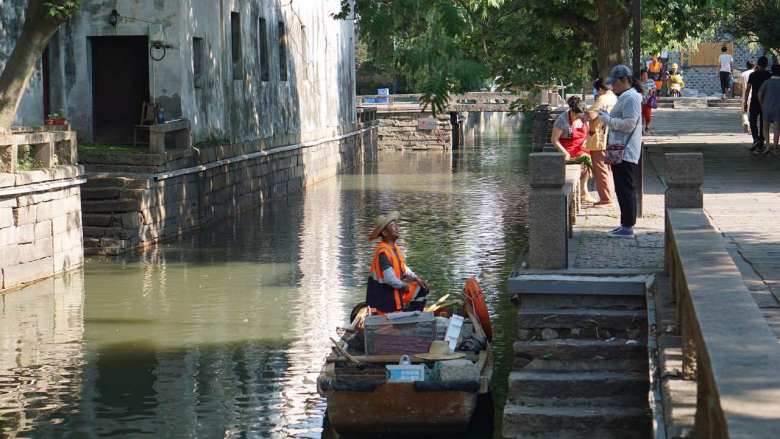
345, 354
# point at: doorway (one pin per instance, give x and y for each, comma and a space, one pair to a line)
120, 86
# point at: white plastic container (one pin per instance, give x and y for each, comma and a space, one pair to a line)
453, 331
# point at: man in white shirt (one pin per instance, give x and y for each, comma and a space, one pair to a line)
726, 66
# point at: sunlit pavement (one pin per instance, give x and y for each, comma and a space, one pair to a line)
741, 192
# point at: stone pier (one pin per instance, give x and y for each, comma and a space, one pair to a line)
40, 209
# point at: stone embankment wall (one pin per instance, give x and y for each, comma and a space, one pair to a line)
127, 211
399, 130
40, 210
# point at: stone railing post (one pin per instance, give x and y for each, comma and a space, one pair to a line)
684, 175
547, 212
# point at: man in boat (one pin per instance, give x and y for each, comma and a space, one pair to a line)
392, 285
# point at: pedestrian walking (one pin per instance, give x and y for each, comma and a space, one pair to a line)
597, 141
750, 67
726, 63
569, 134
655, 68
769, 98
649, 99
624, 144
753, 106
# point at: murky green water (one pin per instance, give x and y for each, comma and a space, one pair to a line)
222, 334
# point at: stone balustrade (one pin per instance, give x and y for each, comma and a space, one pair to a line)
552, 209
40, 206
727, 346
472, 101
46, 149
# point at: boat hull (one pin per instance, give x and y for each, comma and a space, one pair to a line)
398, 407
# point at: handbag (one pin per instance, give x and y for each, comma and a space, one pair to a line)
615, 151
652, 102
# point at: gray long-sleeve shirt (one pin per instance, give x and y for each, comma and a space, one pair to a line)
626, 118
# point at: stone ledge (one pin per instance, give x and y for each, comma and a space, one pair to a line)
737, 355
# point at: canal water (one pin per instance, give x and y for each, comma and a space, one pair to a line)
222, 333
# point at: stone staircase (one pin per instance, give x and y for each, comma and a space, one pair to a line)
580, 368
111, 213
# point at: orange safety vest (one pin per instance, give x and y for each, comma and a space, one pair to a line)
396, 258
655, 67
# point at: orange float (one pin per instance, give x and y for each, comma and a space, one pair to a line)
476, 299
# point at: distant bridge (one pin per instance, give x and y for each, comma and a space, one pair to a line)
473, 101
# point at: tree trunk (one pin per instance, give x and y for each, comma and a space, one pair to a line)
610, 30
37, 30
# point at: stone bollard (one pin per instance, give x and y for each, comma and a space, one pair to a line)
684, 174
547, 212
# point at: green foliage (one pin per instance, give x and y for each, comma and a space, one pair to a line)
756, 20
25, 160
428, 43
61, 9
446, 46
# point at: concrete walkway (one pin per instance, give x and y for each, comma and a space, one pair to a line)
741, 196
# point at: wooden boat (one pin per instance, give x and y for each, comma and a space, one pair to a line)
360, 400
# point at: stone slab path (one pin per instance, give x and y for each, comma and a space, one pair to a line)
741, 196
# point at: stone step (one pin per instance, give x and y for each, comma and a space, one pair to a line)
639, 365
590, 301
571, 349
100, 193
613, 388
109, 206
103, 181
580, 318
722, 104
543, 422
534, 291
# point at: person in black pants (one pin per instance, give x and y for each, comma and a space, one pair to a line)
624, 176
755, 81
625, 129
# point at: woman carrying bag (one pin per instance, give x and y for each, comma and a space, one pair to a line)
624, 145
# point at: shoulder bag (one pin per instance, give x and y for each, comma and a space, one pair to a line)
652, 101
615, 151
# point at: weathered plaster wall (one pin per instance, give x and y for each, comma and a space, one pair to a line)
316, 100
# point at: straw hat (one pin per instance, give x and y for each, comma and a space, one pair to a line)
381, 222
440, 350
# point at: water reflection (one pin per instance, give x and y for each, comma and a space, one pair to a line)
41, 354
223, 333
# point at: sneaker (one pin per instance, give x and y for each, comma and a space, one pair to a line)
764, 150
614, 230
622, 232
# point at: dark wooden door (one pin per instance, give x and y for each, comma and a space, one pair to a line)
120, 86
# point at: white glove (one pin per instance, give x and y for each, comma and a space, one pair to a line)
605, 117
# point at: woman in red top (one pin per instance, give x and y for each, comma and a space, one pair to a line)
569, 134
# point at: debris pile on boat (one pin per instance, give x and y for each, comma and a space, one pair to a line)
410, 371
